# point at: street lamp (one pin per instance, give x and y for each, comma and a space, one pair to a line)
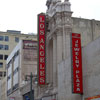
26, 79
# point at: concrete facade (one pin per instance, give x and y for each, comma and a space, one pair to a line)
21, 62
89, 29
91, 68
91, 74
0, 90
3, 89
58, 70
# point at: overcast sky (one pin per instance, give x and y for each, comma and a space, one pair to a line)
21, 15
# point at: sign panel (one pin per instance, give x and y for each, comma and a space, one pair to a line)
29, 44
77, 64
41, 48
93, 98
29, 50
27, 98
11, 98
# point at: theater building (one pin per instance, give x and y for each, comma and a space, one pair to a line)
60, 80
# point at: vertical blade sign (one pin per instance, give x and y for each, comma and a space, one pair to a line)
77, 64
42, 52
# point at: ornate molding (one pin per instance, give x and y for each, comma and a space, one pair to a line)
54, 36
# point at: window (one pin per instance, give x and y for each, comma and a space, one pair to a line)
6, 38
1, 64
9, 77
1, 38
16, 39
16, 70
9, 91
1, 57
0, 74
1, 47
15, 86
4, 73
5, 57
6, 47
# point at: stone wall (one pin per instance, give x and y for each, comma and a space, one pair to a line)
91, 68
65, 79
60, 25
91, 74
0, 90
89, 29
16, 95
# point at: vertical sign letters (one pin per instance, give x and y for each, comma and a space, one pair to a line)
42, 52
77, 64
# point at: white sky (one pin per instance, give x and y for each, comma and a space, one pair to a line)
21, 15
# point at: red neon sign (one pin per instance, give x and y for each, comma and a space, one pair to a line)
42, 52
77, 63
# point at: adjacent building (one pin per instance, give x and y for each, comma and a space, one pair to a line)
0, 90
20, 63
8, 40
3, 87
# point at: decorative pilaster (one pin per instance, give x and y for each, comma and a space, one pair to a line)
59, 46
49, 67
47, 61
55, 61
60, 26
51, 61
68, 32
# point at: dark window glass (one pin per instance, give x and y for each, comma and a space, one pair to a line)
9, 91
16, 39
1, 47
0, 74
1, 57
16, 70
6, 38
1, 38
9, 77
6, 47
15, 86
4, 73
1, 64
6, 56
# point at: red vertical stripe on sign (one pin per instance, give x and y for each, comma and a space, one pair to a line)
41, 19
77, 63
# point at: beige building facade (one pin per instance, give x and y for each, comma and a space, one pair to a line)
8, 40
3, 86
20, 63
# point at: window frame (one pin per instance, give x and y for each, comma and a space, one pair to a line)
1, 47
6, 38
6, 47
16, 39
1, 38
1, 64
1, 58
5, 57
